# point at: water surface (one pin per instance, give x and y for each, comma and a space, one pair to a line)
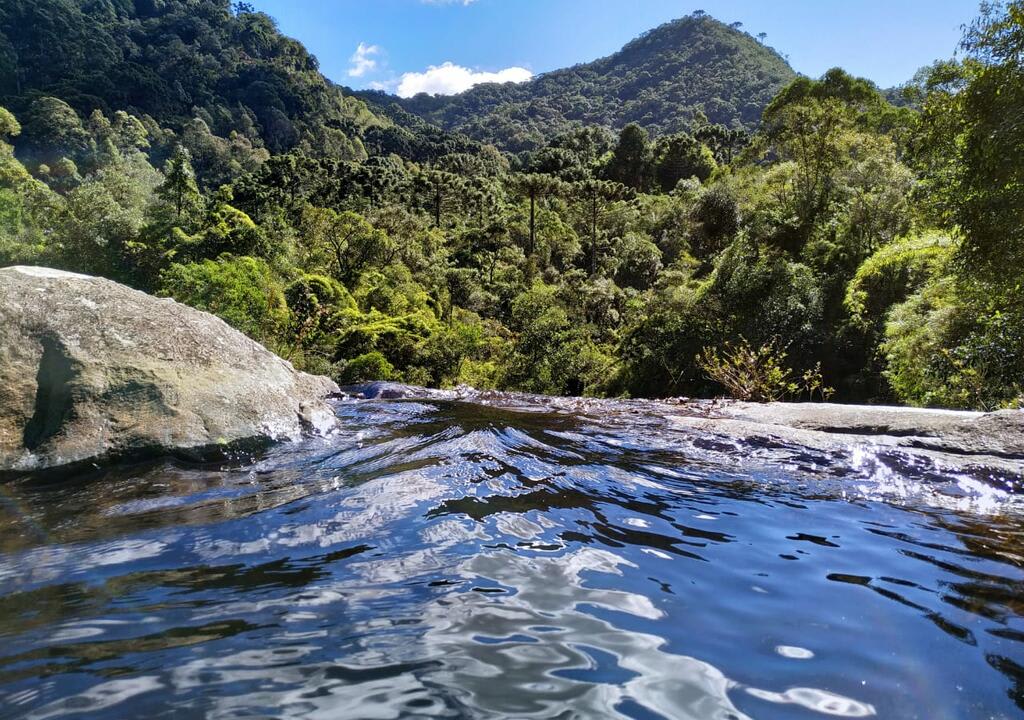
497, 557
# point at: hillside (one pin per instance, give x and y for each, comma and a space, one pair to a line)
187, 148
177, 61
658, 80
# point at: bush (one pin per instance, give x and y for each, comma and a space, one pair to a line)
240, 290
759, 374
956, 345
366, 368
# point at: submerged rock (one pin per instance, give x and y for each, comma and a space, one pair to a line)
93, 370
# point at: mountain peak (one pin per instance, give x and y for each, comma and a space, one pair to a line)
661, 80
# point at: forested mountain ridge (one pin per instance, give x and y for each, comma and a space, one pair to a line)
660, 80
209, 68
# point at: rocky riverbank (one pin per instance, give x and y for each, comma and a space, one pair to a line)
93, 371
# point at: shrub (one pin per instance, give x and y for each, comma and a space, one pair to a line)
759, 374
365, 368
240, 290
952, 344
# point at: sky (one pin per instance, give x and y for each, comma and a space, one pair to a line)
446, 46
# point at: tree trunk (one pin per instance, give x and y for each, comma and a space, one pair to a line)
533, 225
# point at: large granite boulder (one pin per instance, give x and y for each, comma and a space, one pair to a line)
92, 370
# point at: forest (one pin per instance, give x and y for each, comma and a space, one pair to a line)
840, 242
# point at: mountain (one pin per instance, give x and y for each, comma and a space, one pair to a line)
659, 80
177, 61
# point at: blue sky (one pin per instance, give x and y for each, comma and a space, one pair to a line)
445, 45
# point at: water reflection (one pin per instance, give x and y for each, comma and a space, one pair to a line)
455, 559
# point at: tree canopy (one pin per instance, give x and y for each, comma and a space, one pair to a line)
640, 226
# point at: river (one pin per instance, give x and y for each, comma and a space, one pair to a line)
497, 556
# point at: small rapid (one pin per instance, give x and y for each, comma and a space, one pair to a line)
483, 555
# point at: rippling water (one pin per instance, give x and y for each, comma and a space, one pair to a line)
511, 558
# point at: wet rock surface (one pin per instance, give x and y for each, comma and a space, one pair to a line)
92, 370
960, 438
953, 439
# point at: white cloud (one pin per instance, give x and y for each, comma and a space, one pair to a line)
362, 60
449, 79
448, 2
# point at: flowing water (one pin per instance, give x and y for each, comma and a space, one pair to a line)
508, 557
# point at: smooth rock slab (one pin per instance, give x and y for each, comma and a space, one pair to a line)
92, 370
959, 439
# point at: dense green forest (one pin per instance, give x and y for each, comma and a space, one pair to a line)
664, 80
841, 244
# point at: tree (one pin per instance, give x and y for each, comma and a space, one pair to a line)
51, 129
595, 195
179, 187
630, 164
9, 126
639, 262
972, 146
534, 186
681, 156
438, 186
716, 222
341, 244
723, 142
241, 290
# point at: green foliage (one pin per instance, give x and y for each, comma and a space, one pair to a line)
971, 151
550, 354
949, 346
716, 221
759, 374
186, 148
51, 130
9, 125
968, 150
176, 61
341, 245
762, 294
630, 164
658, 350
894, 272
639, 262
179, 189
240, 290
681, 157
365, 368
